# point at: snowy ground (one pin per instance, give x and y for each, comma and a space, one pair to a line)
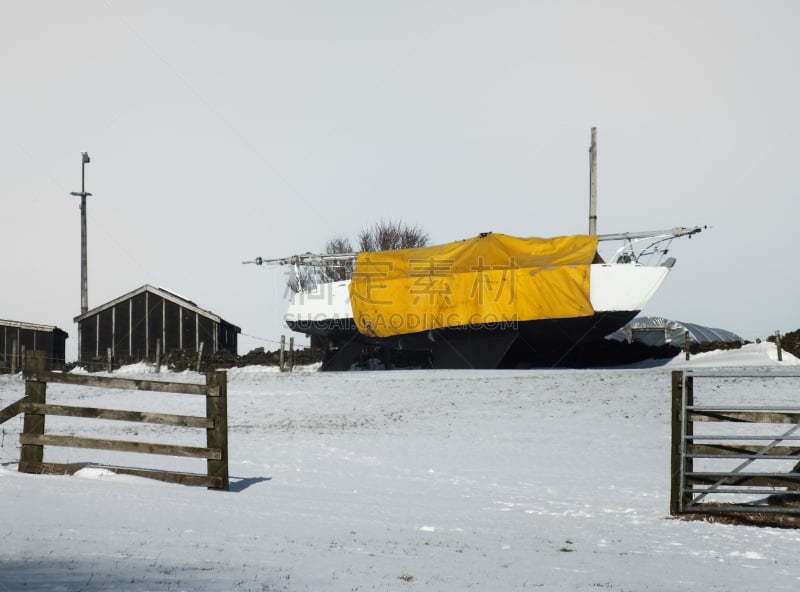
415, 480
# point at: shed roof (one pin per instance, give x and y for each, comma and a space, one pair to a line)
32, 326
161, 292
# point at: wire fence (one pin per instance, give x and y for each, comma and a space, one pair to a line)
281, 351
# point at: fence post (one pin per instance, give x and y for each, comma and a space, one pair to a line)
291, 354
109, 360
687, 340
778, 344
14, 357
31, 456
283, 352
675, 448
682, 430
217, 436
200, 356
158, 355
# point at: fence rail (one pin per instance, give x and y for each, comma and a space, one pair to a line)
745, 435
35, 407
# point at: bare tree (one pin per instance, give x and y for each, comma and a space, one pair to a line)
382, 236
338, 244
338, 270
386, 236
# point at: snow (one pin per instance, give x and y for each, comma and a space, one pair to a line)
404, 480
751, 355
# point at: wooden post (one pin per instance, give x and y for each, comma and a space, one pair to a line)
687, 340
217, 436
31, 456
158, 355
291, 354
200, 356
14, 357
23, 357
778, 344
678, 464
675, 448
283, 352
109, 360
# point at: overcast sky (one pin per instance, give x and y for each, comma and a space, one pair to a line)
221, 131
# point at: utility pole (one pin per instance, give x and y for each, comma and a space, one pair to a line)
593, 183
83, 195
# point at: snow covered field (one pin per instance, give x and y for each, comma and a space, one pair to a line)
404, 480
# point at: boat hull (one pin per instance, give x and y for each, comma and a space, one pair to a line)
618, 293
540, 343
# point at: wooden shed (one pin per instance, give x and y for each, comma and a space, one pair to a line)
17, 337
134, 325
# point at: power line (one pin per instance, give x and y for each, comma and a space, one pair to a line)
259, 338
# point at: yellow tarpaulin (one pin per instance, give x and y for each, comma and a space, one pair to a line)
490, 279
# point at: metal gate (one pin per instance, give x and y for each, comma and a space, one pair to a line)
735, 442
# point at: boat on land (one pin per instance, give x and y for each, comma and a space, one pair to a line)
491, 301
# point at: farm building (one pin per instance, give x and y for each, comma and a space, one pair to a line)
18, 337
134, 325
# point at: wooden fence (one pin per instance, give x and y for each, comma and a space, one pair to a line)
35, 407
726, 457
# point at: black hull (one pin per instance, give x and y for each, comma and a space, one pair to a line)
546, 343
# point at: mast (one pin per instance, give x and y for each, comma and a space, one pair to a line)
593, 183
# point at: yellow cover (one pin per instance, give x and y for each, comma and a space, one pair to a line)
490, 279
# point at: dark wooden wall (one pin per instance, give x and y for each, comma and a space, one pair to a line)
51, 341
132, 328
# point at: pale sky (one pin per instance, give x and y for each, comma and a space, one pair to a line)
222, 131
